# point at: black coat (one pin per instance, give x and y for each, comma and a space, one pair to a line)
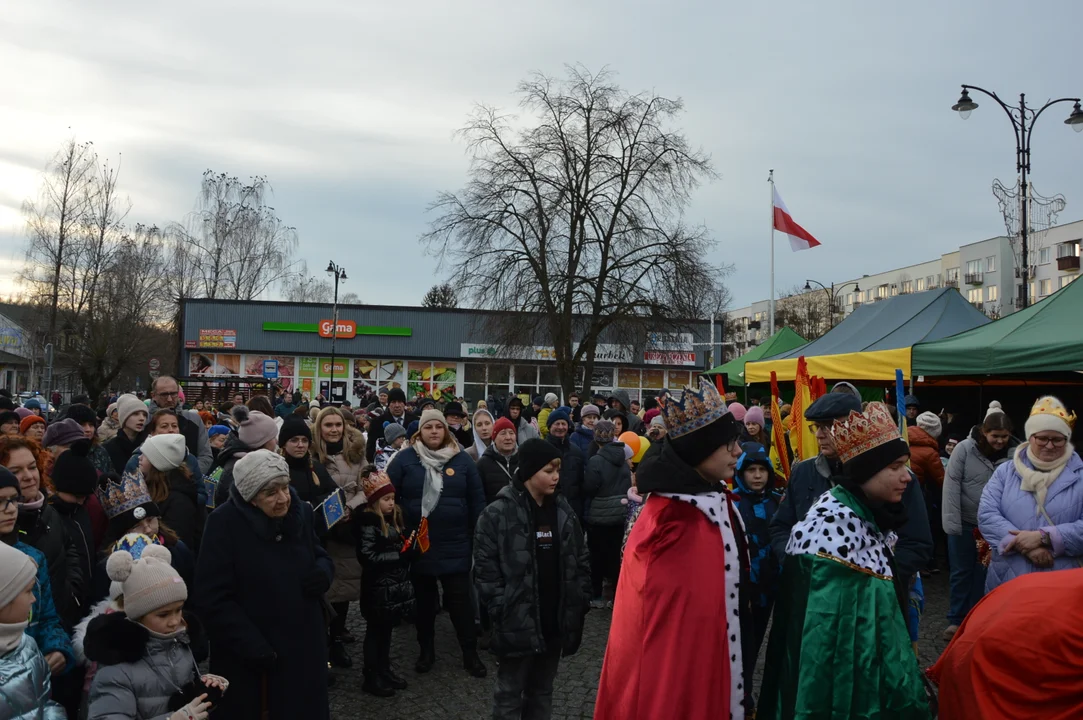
387, 594
182, 511
80, 531
311, 480
46, 530
506, 572
232, 451
451, 523
120, 450
376, 430
259, 584
605, 485
572, 471
496, 471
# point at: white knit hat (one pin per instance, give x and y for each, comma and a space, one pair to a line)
930, 423
149, 582
257, 470
1049, 413
127, 405
994, 408
17, 571
165, 452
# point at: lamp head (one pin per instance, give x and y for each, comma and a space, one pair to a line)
965, 106
1076, 118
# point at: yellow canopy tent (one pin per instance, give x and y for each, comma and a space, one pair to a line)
875, 339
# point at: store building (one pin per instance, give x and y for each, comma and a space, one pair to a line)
424, 351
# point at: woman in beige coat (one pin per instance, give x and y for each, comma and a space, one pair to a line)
341, 449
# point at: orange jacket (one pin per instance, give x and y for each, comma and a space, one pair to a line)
925, 456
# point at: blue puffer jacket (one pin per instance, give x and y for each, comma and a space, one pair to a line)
45, 626
452, 522
25, 686
582, 438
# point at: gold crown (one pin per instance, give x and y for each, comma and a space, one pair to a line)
1049, 405
130, 492
861, 432
694, 410
374, 482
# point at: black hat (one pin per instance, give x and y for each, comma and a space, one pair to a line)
82, 414
73, 472
6, 403
292, 427
515, 401
535, 454
396, 395
454, 409
7, 416
8, 479
425, 402
538, 400
832, 406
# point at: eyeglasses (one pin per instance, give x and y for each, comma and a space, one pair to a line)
168, 394
6, 503
1051, 441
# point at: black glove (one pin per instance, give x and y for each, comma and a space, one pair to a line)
315, 583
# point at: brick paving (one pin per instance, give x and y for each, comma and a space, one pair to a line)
448, 693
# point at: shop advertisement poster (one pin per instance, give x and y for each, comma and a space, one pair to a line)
217, 338
306, 367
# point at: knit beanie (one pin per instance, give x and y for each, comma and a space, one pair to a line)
604, 431
8, 479
9, 416
149, 583
28, 421
392, 432
535, 454
165, 452
376, 485
737, 410
128, 404
590, 410
911, 401
754, 415
73, 472
412, 428
396, 395
111, 409
658, 421
1050, 414
930, 423
560, 414
63, 433
82, 414
17, 571
257, 470
994, 408
254, 429
217, 430
32, 404
431, 414
550, 398
293, 427
503, 424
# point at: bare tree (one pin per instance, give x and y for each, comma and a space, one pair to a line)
575, 214
440, 296
304, 288
808, 313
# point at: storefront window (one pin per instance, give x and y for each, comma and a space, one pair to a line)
654, 379
678, 379
526, 376
628, 379
474, 373
499, 374
547, 375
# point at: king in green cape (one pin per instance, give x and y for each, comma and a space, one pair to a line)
839, 648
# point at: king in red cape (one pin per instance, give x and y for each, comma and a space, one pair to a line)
677, 648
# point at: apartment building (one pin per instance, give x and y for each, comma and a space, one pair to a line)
985, 272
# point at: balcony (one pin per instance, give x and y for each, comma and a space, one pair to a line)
753, 324
1069, 263
952, 282
979, 305
974, 278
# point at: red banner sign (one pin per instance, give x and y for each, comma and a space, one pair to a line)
346, 329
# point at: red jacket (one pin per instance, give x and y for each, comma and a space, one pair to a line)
925, 456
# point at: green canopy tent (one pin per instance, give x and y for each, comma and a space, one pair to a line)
782, 341
1044, 338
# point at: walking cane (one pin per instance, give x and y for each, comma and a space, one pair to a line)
265, 706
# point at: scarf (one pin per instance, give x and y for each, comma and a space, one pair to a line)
34, 504
479, 444
335, 448
1037, 480
11, 634
433, 461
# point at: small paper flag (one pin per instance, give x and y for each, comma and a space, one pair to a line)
333, 508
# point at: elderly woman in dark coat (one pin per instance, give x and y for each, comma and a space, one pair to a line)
258, 590
439, 488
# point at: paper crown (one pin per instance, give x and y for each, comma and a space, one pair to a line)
1049, 405
861, 432
134, 543
374, 486
118, 498
694, 410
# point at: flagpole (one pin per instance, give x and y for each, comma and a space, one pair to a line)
771, 182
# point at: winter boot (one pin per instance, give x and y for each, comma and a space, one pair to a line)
392, 679
376, 685
473, 664
338, 655
426, 659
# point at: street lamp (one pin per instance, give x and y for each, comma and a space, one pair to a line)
1023, 119
339, 274
832, 294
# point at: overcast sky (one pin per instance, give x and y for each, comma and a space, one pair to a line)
349, 108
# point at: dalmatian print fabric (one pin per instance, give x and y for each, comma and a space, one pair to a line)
716, 507
833, 529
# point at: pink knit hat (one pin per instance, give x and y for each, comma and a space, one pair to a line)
254, 429
754, 415
738, 411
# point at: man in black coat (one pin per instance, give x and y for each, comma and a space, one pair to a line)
498, 463
572, 465
810, 479
396, 413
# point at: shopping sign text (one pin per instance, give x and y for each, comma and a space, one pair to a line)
346, 329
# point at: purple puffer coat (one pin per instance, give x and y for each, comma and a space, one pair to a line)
1005, 507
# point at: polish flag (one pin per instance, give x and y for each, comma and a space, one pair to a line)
800, 238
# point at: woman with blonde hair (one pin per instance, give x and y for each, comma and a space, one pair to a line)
340, 448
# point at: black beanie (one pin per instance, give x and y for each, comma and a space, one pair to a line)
8, 479
7, 416
293, 427
860, 468
535, 454
73, 472
82, 414
700, 444
396, 394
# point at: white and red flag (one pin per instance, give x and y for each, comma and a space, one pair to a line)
800, 238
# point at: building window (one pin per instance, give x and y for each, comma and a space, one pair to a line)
1045, 256
894, 289
953, 276
974, 295
973, 267
849, 298
921, 284
907, 286
1068, 249
991, 293
1046, 286
991, 263
1066, 279
1033, 295
881, 291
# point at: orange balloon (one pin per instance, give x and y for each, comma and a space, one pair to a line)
630, 439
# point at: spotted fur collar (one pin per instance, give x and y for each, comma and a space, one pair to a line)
833, 529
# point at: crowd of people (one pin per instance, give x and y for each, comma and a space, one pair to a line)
149, 536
